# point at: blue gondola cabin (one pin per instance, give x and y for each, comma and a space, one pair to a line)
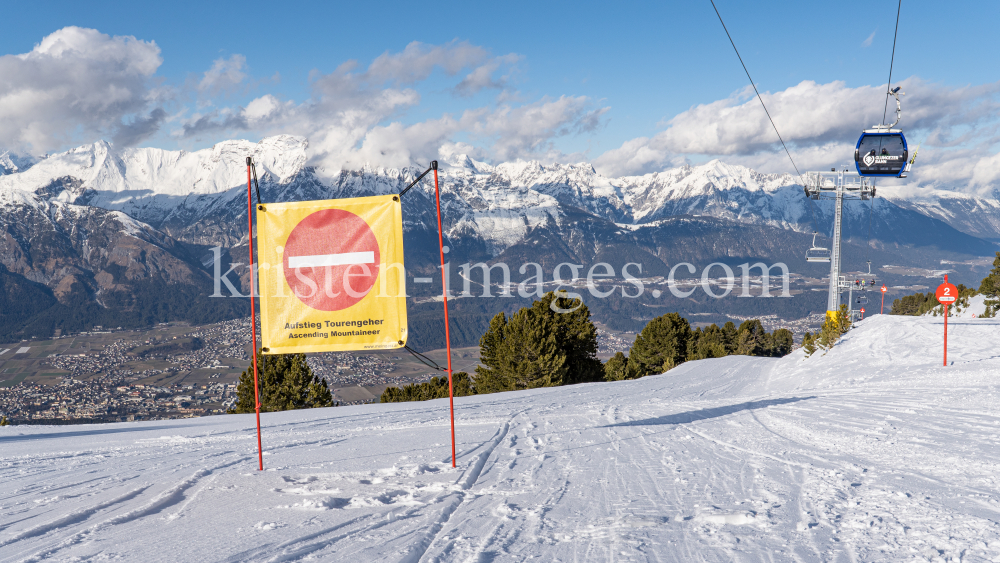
881, 152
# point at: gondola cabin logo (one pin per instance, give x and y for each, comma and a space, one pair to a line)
872, 158
331, 275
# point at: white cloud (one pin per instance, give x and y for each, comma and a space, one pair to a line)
868, 42
77, 82
820, 124
353, 117
416, 62
530, 129
224, 76
482, 76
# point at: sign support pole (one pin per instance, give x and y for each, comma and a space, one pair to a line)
253, 319
946, 335
946, 295
444, 294
945, 327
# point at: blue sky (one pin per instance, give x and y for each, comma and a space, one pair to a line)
612, 79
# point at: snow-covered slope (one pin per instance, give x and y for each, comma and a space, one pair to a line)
966, 308
873, 452
975, 308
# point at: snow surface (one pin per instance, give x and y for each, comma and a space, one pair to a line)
966, 308
872, 452
976, 308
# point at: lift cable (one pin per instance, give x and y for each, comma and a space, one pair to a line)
891, 60
755, 88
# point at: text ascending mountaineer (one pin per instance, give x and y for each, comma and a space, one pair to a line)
331, 275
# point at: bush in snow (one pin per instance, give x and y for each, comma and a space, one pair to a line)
809, 344
286, 383
990, 287
436, 388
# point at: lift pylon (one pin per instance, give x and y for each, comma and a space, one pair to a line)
837, 185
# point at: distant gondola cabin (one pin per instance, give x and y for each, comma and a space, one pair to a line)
881, 153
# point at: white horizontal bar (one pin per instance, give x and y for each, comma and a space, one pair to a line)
423, 280
320, 260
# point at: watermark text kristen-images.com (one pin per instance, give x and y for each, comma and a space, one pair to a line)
569, 278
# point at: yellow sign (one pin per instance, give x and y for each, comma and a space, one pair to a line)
331, 275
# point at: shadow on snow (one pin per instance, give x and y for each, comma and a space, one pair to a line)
703, 414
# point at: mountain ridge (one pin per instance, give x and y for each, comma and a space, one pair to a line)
164, 217
159, 186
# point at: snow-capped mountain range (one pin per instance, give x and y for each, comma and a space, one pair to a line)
100, 219
177, 189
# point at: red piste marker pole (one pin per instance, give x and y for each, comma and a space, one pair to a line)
444, 293
946, 295
253, 318
946, 335
882, 309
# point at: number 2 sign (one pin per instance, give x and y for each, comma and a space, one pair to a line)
946, 295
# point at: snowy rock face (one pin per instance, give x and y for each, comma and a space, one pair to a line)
196, 196
11, 163
976, 215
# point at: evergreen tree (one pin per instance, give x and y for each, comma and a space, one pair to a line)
532, 357
844, 319
616, 368
490, 377
809, 344
729, 334
691, 353
520, 353
990, 287
539, 346
752, 339
783, 341
575, 335
660, 346
829, 333
286, 383
462, 384
436, 388
711, 343
911, 304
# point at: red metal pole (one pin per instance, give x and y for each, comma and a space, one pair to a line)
253, 319
444, 292
946, 328
881, 310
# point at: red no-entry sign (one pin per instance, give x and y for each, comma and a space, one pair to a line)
331, 259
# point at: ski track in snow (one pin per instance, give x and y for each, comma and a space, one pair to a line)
873, 452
